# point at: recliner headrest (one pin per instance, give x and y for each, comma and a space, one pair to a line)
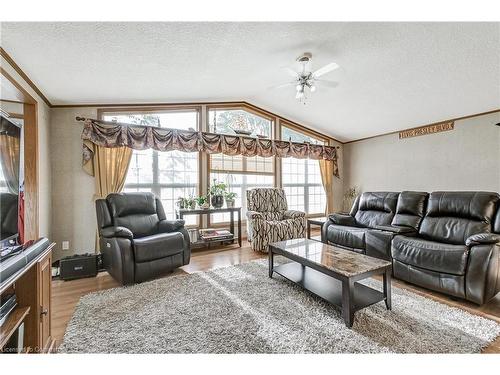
470, 205
378, 201
124, 204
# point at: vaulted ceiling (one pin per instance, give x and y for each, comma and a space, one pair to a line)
392, 75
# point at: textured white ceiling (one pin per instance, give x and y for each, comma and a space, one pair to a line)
392, 76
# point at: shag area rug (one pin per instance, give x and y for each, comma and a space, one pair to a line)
239, 309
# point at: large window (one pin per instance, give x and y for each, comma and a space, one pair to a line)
169, 175
301, 178
238, 172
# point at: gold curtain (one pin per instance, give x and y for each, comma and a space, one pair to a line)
326, 168
109, 167
9, 159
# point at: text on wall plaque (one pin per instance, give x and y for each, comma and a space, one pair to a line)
428, 129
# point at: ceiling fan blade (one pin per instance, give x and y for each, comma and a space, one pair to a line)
326, 69
291, 72
288, 84
324, 82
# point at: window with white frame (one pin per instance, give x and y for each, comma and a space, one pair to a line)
238, 172
301, 178
169, 175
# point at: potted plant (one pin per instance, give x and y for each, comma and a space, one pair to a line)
181, 202
349, 197
190, 202
203, 202
230, 196
217, 191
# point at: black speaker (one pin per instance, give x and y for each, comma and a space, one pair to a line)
78, 266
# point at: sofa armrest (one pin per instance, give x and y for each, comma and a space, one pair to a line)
342, 219
110, 232
293, 214
167, 226
482, 279
482, 239
395, 229
254, 215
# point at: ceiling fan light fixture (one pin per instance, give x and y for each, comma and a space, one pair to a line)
299, 87
312, 88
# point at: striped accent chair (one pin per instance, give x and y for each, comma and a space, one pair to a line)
269, 219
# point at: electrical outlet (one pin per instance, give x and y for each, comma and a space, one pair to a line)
65, 245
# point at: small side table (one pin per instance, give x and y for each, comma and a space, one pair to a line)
314, 221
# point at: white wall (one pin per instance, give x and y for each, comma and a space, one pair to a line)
466, 158
44, 166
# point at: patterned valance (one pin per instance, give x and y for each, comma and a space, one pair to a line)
164, 139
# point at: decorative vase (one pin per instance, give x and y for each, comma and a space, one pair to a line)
230, 203
217, 201
205, 206
192, 205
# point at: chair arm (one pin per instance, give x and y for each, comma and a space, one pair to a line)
342, 219
254, 215
395, 229
482, 239
293, 214
110, 232
167, 226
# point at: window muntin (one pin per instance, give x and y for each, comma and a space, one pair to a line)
238, 172
169, 175
301, 178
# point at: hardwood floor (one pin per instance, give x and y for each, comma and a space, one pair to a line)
66, 294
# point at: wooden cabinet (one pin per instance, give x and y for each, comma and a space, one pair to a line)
34, 289
45, 282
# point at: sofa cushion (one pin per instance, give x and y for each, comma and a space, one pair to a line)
430, 255
452, 217
410, 209
352, 237
377, 208
158, 246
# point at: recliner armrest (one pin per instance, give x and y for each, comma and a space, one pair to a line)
342, 219
395, 229
254, 215
166, 226
482, 239
110, 232
292, 214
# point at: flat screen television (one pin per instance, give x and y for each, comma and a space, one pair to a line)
11, 182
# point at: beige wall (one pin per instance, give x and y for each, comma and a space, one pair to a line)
73, 216
44, 171
466, 158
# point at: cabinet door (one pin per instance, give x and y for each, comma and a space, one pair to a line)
45, 274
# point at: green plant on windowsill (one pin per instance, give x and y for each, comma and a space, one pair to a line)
190, 202
217, 191
202, 201
230, 197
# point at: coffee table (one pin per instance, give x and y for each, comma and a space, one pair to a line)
332, 274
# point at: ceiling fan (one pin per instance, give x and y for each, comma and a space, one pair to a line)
307, 80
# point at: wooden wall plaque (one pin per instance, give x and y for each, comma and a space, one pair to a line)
427, 129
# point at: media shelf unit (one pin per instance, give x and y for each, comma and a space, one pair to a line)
180, 213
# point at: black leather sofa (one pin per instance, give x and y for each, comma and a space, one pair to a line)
444, 241
137, 242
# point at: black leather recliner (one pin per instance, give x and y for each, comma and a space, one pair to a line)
445, 241
137, 242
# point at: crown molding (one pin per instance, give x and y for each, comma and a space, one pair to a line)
24, 76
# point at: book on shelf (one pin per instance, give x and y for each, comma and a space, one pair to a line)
215, 234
